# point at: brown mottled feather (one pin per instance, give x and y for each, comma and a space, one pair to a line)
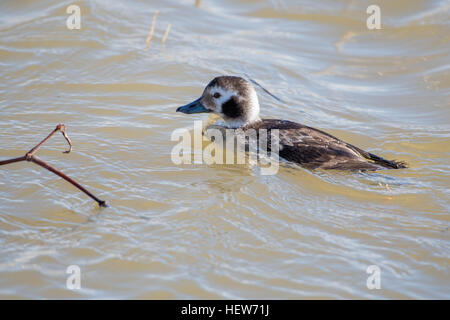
314, 148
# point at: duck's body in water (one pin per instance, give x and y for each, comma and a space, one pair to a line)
234, 99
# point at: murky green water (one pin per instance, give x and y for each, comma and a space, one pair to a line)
199, 231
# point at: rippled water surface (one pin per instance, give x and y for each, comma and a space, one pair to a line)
199, 231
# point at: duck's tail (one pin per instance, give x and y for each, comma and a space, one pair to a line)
393, 164
390, 164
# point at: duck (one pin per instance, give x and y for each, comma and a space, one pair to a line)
235, 101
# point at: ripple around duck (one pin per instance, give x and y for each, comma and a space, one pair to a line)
199, 231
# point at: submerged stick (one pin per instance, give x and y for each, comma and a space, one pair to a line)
13, 160
152, 30
29, 156
264, 89
166, 34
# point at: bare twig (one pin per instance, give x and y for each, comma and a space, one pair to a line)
152, 30
29, 156
166, 34
49, 167
60, 127
13, 160
264, 89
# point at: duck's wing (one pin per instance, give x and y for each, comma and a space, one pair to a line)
314, 148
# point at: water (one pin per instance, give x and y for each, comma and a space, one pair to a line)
199, 231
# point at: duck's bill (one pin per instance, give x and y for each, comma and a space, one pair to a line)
193, 107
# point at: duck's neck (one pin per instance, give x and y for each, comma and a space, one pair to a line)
235, 123
251, 116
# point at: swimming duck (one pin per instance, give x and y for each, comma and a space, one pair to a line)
235, 100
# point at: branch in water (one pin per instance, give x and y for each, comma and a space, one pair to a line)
29, 156
264, 89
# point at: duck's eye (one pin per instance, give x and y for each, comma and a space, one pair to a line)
216, 95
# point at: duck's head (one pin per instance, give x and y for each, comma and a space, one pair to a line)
232, 98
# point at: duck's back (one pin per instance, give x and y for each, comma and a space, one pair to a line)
313, 148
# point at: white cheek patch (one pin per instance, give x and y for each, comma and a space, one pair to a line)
254, 107
225, 95
251, 108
